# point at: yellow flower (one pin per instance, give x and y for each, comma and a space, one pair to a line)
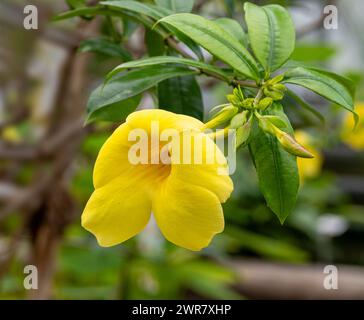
185, 198
308, 167
354, 137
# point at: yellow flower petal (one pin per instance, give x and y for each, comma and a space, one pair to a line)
187, 215
354, 137
308, 168
208, 168
117, 211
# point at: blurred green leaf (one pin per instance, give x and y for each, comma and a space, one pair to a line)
176, 5
181, 95
104, 46
313, 52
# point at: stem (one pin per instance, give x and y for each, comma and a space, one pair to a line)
258, 97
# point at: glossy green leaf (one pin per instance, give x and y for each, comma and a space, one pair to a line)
106, 47
130, 84
271, 33
313, 52
328, 85
216, 40
181, 95
276, 168
154, 43
148, 10
176, 5
162, 60
79, 12
116, 112
234, 28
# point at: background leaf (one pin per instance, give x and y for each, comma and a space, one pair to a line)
271, 33
131, 84
276, 168
176, 5
216, 40
328, 85
116, 112
181, 95
168, 60
106, 47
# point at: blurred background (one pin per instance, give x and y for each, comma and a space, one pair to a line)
47, 156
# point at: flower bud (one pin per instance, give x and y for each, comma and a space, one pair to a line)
242, 134
277, 79
291, 145
238, 120
224, 115
265, 103
280, 87
274, 94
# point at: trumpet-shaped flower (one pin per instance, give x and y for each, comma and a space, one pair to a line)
184, 196
354, 137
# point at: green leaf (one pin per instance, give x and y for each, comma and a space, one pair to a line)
76, 3
162, 60
271, 33
148, 10
106, 47
131, 84
116, 112
80, 12
313, 52
216, 40
234, 28
154, 43
181, 95
328, 85
176, 5
276, 168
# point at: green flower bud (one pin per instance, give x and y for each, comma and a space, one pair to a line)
277, 79
280, 87
265, 103
238, 120
248, 103
291, 145
243, 134
224, 115
274, 94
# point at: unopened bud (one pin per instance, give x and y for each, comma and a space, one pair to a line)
277, 79
274, 94
265, 103
280, 87
224, 115
242, 134
291, 145
238, 120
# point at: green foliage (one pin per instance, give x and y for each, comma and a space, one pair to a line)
181, 95
216, 40
176, 5
276, 168
106, 47
128, 85
171, 68
271, 34
333, 88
